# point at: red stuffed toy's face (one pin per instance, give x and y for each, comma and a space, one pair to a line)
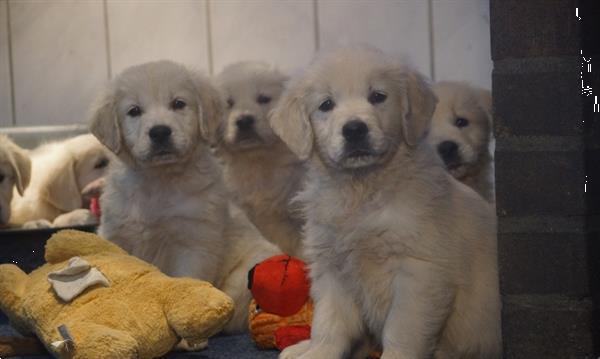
279, 284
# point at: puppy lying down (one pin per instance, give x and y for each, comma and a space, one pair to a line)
15, 172
398, 250
164, 200
262, 174
461, 131
59, 173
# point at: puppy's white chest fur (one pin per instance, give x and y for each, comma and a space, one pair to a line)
362, 245
163, 217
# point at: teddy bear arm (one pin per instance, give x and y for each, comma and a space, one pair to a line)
196, 312
70, 243
12, 287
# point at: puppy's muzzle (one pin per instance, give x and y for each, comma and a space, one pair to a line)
355, 131
245, 123
448, 150
160, 135
356, 135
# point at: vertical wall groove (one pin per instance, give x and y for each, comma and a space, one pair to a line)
209, 38
11, 75
431, 39
107, 39
316, 19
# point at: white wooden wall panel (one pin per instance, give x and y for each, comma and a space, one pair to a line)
5, 95
399, 27
59, 59
462, 41
142, 31
279, 32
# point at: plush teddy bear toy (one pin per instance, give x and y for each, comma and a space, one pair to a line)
131, 309
281, 309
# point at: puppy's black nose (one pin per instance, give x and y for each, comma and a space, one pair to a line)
355, 131
160, 133
448, 150
245, 122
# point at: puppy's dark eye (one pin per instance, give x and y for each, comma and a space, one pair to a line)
134, 111
461, 122
178, 104
327, 105
377, 97
103, 162
1, 178
263, 99
230, 102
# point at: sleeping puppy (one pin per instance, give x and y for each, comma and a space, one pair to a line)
15, 172
398, 250
59, 173
461, 131
164, 200
260, 171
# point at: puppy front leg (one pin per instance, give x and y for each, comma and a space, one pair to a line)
420, 306
336, 322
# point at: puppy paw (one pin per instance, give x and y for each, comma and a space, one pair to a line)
78, 217
38, 223
295, 351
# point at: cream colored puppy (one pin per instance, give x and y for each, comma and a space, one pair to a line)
261, 172
164, 200
15, 172
461, 131
398, 250
59, 173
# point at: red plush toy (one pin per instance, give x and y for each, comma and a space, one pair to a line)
281, 311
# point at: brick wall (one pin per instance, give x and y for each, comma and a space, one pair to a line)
548, 141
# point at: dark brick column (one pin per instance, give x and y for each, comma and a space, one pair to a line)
548, 146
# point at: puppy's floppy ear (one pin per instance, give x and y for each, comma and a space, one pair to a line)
419, 104
290, 120
21, 165
212, 107
104, 123
60, 188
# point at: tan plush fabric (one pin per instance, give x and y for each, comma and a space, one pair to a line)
143, 313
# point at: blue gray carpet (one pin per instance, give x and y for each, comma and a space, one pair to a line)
219, 347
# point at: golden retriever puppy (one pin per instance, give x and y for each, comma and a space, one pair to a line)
15, 172
59, 173
398, 250
260, 171
164, 200
461, 131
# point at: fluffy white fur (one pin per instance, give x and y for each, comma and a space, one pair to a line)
262, 174
399, 251
59, 173
463, 117
15, 172
167, 203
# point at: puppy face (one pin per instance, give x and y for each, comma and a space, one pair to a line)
251, 89
15, 170
90, 162
353, 107
461, 126
157, 112
78, 162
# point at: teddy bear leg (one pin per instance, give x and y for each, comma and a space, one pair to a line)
101, 342
195, 313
